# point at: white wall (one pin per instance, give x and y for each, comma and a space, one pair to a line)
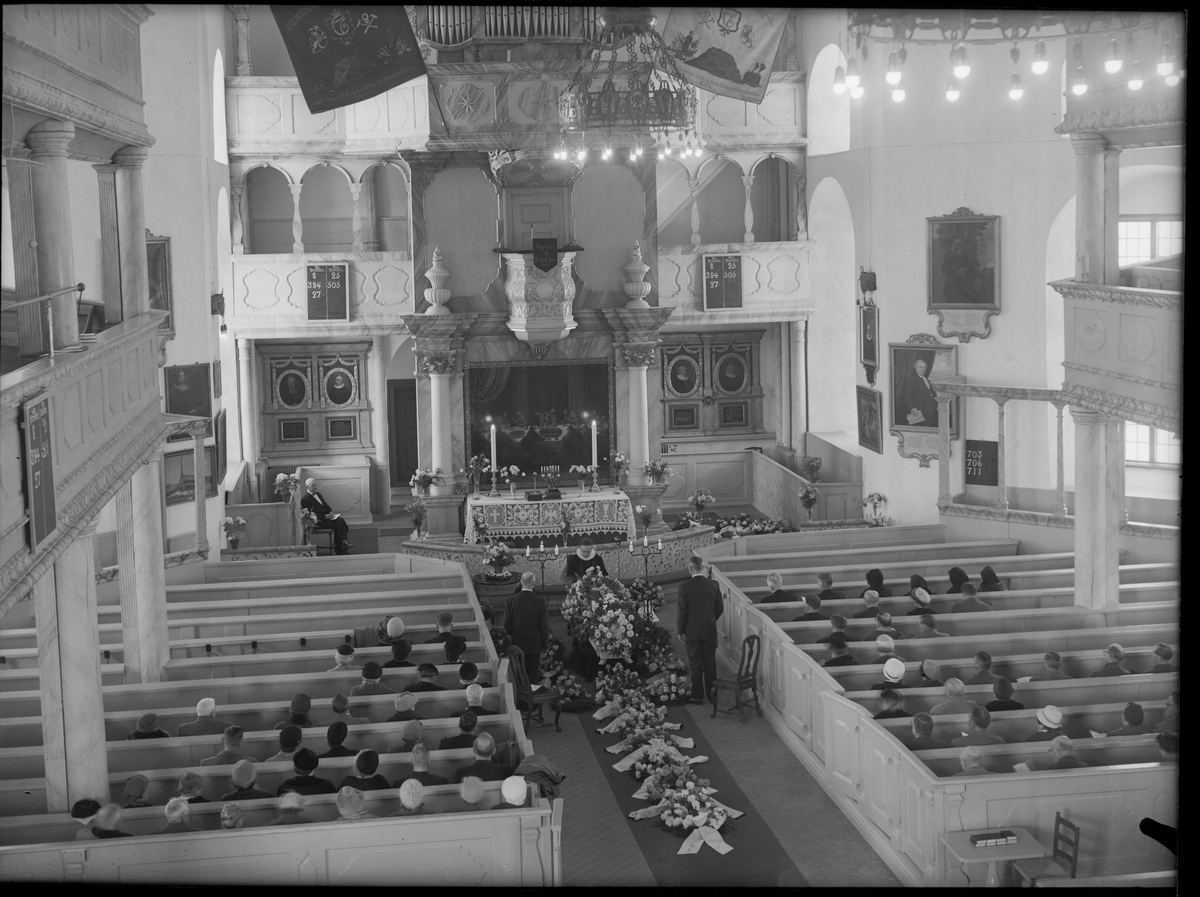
461, 209
609, 208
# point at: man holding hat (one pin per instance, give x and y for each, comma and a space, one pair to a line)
326, 518
1049, 724
304, 782
231, 749
466, 733
343, 659
206, 722
289, 741
147, 727
893, 675
426, 672
298, 713
370, 685
243, 777
405, 704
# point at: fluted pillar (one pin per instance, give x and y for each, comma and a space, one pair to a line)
33, 332
1001, 490
237, 218
241, 38
694, 188
943, 403
135, 274
200, 465
440, 367
72, 707
48, 142
1060, 509
1096, 531
355, 218
1097, 192
377, 382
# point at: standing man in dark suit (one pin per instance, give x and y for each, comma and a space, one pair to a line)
326, 518
528, 622
700, 606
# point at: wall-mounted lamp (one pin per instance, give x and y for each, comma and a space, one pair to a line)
216, 306
866, 281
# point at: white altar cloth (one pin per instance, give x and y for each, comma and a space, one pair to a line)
591, 513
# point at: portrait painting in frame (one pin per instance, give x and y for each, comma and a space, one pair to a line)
915, 369
964, 273
189, 390
870, 419
158, 269
179, 476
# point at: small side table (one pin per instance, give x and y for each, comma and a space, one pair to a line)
960, 847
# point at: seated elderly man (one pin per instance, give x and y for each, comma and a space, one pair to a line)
886, 646
147, 727
1003, 690
971, 762
927, 628
107, 823
352, 806
289, 743
812, 610
871, 599
837, 625
335, 736
931, 672
177, 812
893, 675
978, 721
483, 767
426, 673
893, 705
1049, 724
1170, 720
188, 786
983, 670
883, 626
412, 798
298, 713
445, 623
206, 722
327, 518
923, 603
304, 765
922, 729
410, 735
291, 810
1052, 661
372, 675
342, 713
1163, 655
231, 749
776, 593
825, 584
1133, 716
468, 674
343, 659
366, 773
839, 654
401, 649
243, 777
406, 703
1113, 656
970, 603
955, 701
467, 724
1063, 754
420, 769
474, 696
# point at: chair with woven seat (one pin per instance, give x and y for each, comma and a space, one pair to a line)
526, 697
1063, 860
747, 678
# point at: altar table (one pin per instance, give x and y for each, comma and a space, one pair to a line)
591, 513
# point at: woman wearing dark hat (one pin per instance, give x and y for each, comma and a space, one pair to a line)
989, 581
584, 559
147, 727
298, 713
289, 741
135, 792
875, 584
917, 581
958, 579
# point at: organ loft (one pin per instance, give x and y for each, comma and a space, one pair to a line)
432, 418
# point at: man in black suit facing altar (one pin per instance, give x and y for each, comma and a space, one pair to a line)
326, 518
700, 606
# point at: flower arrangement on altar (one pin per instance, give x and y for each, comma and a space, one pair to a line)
476, 467
644, 514
498, 558
657, 471
874, 503
690, 807
618, 462
235, 527
701, 499
308, 520
286, 485
614, 681
745, 525
510, 474
809, 496
423, 477
479, 518
419, 511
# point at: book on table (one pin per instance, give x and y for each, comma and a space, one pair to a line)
993, 839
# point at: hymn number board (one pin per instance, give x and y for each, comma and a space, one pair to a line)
328, 292
722, 281
982, 462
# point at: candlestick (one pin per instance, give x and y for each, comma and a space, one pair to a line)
526, 551
660, 544
595, 454
542, 547
645, 541
556, 551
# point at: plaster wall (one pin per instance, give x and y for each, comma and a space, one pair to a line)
608, 207
461, 207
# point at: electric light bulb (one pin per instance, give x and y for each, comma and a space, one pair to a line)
697, 152
1165, 65
1135, 81
961, 67
1015, 90
581, 155
1079, 88
898, 95
839, 80
1172, 79
853, 79
1040, 64
893, 73
1113, 64
952, 90
856, 93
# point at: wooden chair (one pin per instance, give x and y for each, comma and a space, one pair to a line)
1063, 860
747, 678
526, 697
321, 538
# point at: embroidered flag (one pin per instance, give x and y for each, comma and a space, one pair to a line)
346, 54
726, 50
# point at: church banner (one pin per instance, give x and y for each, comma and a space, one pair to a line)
726, 50
346, 54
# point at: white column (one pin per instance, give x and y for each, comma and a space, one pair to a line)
297, 225
355, 218
241, 38
694, 188
1001, 491
639, 429
1096, 561
110, 245
748, 215
786, 398
440, 367
237, 218
131, 222
249, 418
1115, 447
48, 142
799, 402
943, 403
1097, 167
377, 382
73, 738
142, 580
1061, 482
200, 465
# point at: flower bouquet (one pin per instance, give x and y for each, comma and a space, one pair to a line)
639, 713
618, 463
235, 528
615, 680
510, 475
419, 512
479, 518
657, 471
809, 496
583, 471
423, 478
476, 467
574, 693
700, 500
590, 598
811, 467
286, 485
658, 758
745, 525
647, 596
670, 688
644, 514
690, 807
498, 558
309, 521
874, 503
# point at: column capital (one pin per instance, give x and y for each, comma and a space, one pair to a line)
1088, 142
50, 138
296, 188
1087, 418
131, 156
439, 362
245, 343
636, 355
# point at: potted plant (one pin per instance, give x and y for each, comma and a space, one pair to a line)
497, 579
657, 471
308, 520
809, 496
418, 511
235, 529
811, 467
423, 478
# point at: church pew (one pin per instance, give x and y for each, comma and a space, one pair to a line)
816, 543
178, 670
21, 678
1017, 725
998, 623
1166, 878
1012, 643
871, 556
27, 730
1061, 693
159, 753
1000, 758
307, 568
48, 828
321, 687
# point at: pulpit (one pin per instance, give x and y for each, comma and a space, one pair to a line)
540, 301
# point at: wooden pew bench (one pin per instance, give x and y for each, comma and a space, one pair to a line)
854, 559
23, 678
242, 591
1163, 878
1001, 758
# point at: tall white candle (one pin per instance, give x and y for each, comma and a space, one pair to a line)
595, 454
493, 453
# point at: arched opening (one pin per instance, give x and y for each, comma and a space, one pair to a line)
269, 208
220, 138
832, 329
386, 191
772, 201
605, 200
326, 210
828, 124
722, 204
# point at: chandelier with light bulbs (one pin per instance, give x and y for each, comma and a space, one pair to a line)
958, 28
635, 105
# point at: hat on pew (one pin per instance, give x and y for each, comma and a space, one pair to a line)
290, 737
147, 722
921, 596
349, 801
412, 794
427, 670
513, 790
471, 790
1050, 717
893, 670
372, 670
301, 703
243, 774
306, 759
395, 627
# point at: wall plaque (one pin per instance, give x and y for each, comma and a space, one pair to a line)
722, 281
39, 472
328, 296
982, 463
340, 428
545, 253
293, 431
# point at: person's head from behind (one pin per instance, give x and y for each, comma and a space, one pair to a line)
885, 644
825, 581
484, 746
695, 565
891, 699
467, 673
1163, 652
176, 810
1171, 710
366, 763
401, 648
232, 739
474, 694
1061, 747
917, 581
514, 790
467, 722
135, 788
954, 688
979, 719
1168, 745
372, 672
395, 627
875, 578
774, 582
1133, 714
871, 598
970, 757
883, 620
838, 644
988, 576
983, 661
1114, 653
427, 672
931, 670
301, 704
471, 790
109, 818
336, 733
1002, 689
291, 802
343, 654
445, 622
340, 704
456, 647
305, 761
188, 785
412, 732
412, 795
922, 725
420, 757
928, 623
243, 774
206, 707
837, 622
528, 581
813, 602
958, 576
1052, 660
967, 590
231, 816
405, 702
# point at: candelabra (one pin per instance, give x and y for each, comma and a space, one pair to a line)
595, 480
494, 493
645, 551
543, 557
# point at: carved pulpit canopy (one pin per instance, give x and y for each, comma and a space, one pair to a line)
540, 303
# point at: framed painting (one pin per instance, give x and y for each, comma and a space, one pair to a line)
341, 428
868, 339
293, 430
219, 430
158, 269
179, 476
734, 414
916, 368
964, 272
189, 390
870, 419
685, 417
